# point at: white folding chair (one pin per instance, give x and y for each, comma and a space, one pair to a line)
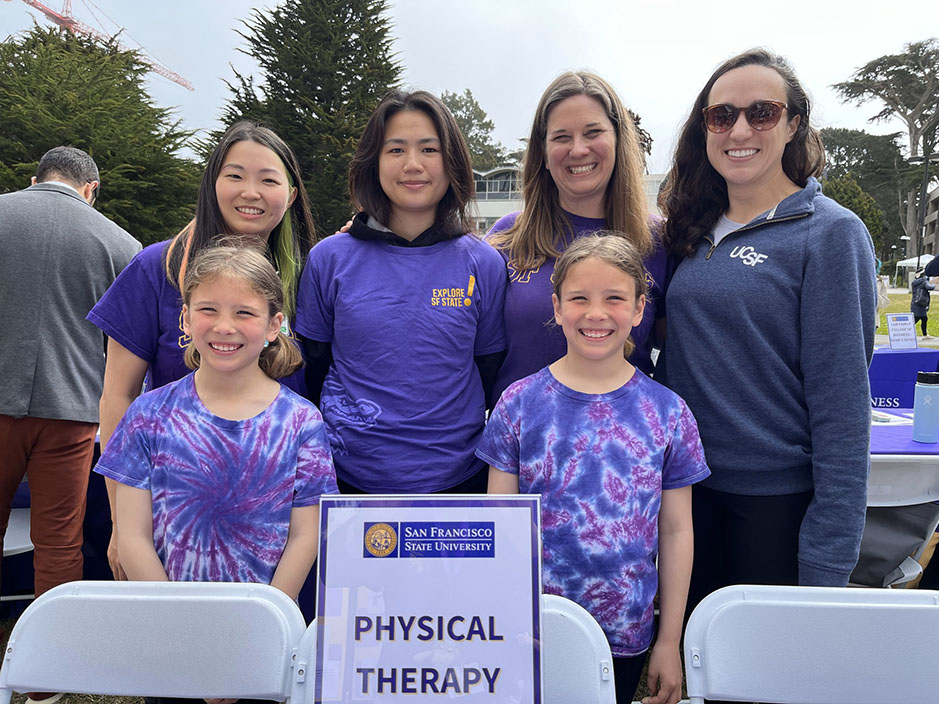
893, 541
900, 518
15, 541
576, 659
814, 645
173, 639
304, 680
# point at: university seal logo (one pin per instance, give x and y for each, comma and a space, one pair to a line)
381, 539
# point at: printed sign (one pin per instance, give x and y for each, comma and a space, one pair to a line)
902, 332
427, 598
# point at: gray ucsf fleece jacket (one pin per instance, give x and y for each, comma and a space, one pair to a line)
770, 334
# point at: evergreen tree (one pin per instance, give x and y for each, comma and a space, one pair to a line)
878, 166
60, 89
645, 139
477, 129
906, 85
325, 65
846, 191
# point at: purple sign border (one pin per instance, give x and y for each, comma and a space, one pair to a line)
435, 501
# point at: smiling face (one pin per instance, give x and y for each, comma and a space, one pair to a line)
597, 310
229, 323
412, 172
580, 153
745, 157
252, 190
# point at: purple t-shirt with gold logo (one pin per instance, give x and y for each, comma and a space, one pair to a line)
600, 463
403, 401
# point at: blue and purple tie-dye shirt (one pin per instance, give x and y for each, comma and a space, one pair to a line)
600, 463
222, 490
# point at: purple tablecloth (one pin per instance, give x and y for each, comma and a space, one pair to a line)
898, 439
893, 374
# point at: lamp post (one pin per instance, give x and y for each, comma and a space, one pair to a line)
906, 251
921, 222
906, 247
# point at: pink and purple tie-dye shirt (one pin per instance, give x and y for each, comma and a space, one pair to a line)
600, 463
222, 490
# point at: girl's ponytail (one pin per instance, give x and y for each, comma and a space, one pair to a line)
280, 358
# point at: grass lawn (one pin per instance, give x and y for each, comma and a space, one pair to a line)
900, 303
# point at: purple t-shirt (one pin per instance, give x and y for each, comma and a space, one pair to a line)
143, 311
403, 401
222, 490
533, 339
600, 463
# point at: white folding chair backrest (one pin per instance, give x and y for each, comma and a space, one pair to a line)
16, 539
576, 659
304, 680
814, 645
173, 639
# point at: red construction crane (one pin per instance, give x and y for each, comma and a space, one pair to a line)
65, 20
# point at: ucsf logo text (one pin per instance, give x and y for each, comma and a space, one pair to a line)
748, 255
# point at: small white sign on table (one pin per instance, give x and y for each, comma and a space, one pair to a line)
427, 598
902, 331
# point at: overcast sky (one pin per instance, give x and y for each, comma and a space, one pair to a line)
656, 53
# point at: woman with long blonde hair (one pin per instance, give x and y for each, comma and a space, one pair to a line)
582, 172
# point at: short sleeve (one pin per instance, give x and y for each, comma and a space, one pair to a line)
499, 445
315, 473
490, 328
127, 456
129, 310
315, 296
684, 461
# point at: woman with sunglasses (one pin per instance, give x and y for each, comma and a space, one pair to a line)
770, 332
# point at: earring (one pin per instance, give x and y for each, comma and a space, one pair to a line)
266, 344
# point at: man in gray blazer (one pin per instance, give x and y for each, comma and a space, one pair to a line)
58, 255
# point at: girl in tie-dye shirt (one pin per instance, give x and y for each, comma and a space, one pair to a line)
221, 472
613, 455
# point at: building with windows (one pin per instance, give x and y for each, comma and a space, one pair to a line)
498, 193
931, 225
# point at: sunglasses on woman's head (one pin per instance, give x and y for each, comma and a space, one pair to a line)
761, 115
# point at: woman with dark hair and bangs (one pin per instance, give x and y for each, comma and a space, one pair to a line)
582, 172
401, 317
774, 371
251, 191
